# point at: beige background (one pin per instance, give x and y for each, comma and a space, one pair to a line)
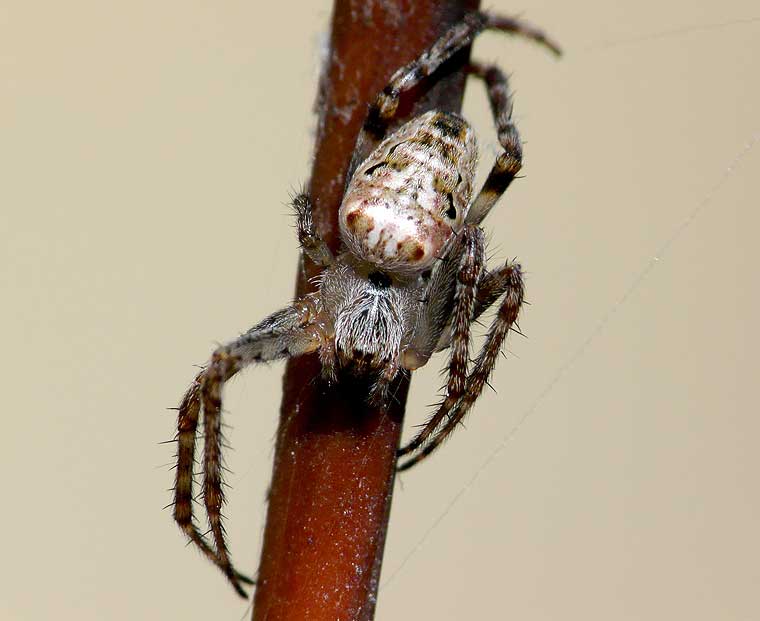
147, 150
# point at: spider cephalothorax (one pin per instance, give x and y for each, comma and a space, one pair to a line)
409, 280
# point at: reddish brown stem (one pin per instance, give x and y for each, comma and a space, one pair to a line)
335, 455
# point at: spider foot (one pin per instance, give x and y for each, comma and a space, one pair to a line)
235, 578
409, 448
243, 578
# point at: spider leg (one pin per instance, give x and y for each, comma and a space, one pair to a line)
288, 332
312, 244
517, 26
383, 109
508, 163
484, 364
493, 284
472, 243
491, 287
222, 367
187, 424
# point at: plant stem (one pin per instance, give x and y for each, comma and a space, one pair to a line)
335, 455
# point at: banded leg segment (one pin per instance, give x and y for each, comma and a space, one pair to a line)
508, 163
493, 285
459, 36
223, 366
472, 252
384, 108
484, 365
187, 425
284, 333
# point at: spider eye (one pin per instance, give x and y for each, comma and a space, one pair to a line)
381, 280
451, 212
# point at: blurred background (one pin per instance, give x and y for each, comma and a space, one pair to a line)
147, 153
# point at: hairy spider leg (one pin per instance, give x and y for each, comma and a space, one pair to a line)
484, 365
287, 332
383, 109
222, 367
493, 284
508, 163
503, 172
470, 247
187, 424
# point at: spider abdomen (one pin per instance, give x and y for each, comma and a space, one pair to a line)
411, 194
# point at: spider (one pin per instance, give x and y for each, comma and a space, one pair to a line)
409, 280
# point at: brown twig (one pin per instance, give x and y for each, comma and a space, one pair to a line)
332, 482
